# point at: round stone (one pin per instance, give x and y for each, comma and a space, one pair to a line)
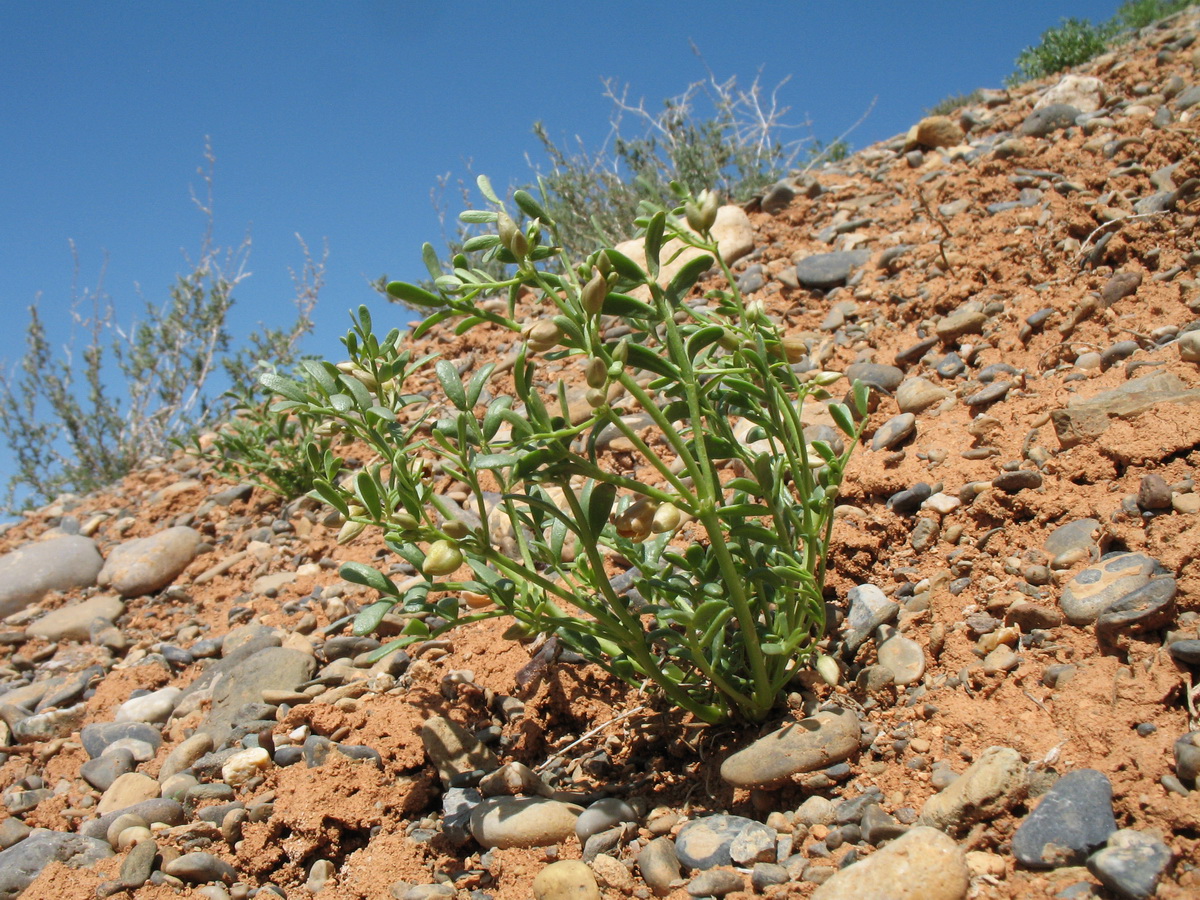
1098, 587
567, 879
523, 821
814, 743
904, 657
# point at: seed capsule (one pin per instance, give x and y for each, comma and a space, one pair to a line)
666, 518
595, 397
596, 372
456, 528
637, 521
443, 558
701, 213
542, 335
794, 349
593, 294
350, 531
404, 520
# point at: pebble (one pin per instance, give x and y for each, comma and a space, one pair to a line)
1073, 819
31, 571
127, 790
659, 865
1073, 536
816, 810
23, 862
523, 821
877, 826
1189, 347
904, 657
1132, 863
138, 864
1020, 480
869, 608
1154, 492
156, 706
884, 377
1148, 608
567, 879
102, 771
240, 680
991, 785
200, 868
960, 323
923, 864
605, 813
244, 765
910, 499
1029, 615
1187, 757
512, 779
814, 743
184, 754
147, 565
918, 394
1098, 587
1186, 651
823, 271
1120, 286
454, 751
716, 883
75, 621
894, 432
1049, 119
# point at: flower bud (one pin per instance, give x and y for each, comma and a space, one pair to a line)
507, 229
666, 518
456, 528
593, 294
542, 335
828, 669
443, 558
476, 601
621, 351
824, 379
404, 520
794, 349
701, 213
596, 372
637, 521
756, 313
350, 531
595, 397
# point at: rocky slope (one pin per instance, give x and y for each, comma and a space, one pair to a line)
1015, 577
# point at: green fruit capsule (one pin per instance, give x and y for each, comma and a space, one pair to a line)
443, 558
596, 373
593, 294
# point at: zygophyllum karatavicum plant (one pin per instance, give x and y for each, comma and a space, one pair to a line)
719, 626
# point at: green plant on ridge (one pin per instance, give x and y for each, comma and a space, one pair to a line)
720, 626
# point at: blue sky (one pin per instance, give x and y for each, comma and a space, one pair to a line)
334, 120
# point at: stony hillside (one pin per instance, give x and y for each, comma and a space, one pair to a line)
1015, 580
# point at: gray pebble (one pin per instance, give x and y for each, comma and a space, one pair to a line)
138, 864
96, 738
23, 862
910, 500
1020, 480
1186, 651
1073, 818
200, 868
1187, 757
705, 843
1154, 492
1150, 607
716, 883
886, 378
1098, 587
659, 865
764, 875
995, 391
814, 743
894, 432
827, 270
101, 772
1131, 864
603, 815
1049, 119
869, 608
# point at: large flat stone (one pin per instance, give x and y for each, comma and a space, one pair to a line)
813, 743
30, 572
1166, 396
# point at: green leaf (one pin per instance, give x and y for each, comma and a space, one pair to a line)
598, 504
320, 374
360, 573
480, 242
494, 460
654, 241
369, 618
645, 358
744, 509
748, 485
528, 205
841, 416
861, 394
706, 336
452, 384
284, 387
626, 307
435, 319
625, 266
327, 493
477, 216
392, 646
686, 277
475, 386
368, 492
430, 258
485, 188
749, 531
413, 295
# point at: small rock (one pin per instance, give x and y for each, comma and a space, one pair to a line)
1149, 608
877, 826
523, 821
454, 751
716, 883
923, 864
244, 765
1189, 347
816, 810
1154, 492
512, 779
28, 573
885, 378
156, 706
1186, 651
1120, 286
1020, 480
869, 608
567, 879
659, 865
1084, 93
101, 772
127, 790
828, 737
938, 131
605, 813
1187, 757
146, 565
1073, 818
200, 868
1048, 119
74, 622
1073, 536
918, 394
894, 432
993, 784
138, 864
823, 271
904, 657
611, 873
1131, 864
960, 323
1098, 587
23, 862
